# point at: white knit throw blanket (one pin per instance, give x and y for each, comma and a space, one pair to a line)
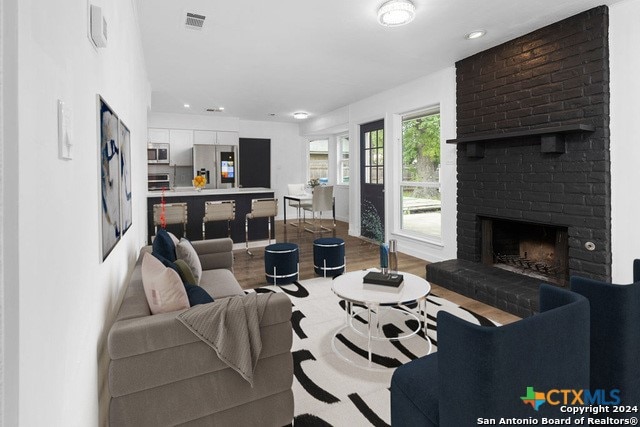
231, 326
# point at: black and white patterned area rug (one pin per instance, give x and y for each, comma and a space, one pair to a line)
334, 383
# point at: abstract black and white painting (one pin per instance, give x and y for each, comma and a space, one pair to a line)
109, 178
125, 178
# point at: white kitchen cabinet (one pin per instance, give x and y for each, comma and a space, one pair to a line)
227, 138
181, 144
207, 137
158, 135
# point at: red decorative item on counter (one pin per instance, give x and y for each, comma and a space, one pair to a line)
163, 218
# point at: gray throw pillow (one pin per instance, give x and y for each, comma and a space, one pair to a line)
185, 252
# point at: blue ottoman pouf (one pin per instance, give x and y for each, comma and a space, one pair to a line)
281, 263
328, 256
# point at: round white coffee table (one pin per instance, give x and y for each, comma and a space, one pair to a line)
350, 288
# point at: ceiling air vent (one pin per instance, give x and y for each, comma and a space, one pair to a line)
215, 110
194, 21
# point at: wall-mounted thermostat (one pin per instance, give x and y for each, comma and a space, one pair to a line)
98, 27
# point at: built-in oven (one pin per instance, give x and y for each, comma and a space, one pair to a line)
158, 153
158, 181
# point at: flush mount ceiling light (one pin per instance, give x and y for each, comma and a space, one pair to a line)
475, 34
396, 12
187, 106
300, 115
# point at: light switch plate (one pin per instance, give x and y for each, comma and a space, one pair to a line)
65, 137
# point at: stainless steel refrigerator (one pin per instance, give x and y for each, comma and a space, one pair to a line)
218, 163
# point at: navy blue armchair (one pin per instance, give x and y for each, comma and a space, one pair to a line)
615, 334
482, 372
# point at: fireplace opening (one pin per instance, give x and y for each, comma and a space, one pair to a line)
536, 250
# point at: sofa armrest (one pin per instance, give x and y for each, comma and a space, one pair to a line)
146, 334
215, 253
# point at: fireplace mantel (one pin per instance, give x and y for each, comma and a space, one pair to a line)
551, 138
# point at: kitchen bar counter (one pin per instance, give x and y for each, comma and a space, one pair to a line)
190, 191
258, 228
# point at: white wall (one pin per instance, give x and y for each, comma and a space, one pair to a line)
287, 155
67, 295
437, 89
624, 38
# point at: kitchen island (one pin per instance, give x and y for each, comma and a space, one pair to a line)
195, 200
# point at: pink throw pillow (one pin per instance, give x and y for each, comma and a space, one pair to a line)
162, 286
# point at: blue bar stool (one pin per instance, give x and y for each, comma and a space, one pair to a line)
281, 263
328, 256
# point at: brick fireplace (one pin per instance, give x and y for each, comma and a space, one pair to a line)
533, 144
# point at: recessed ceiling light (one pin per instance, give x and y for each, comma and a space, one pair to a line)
475, 34
187, 106
396, 12
300, 115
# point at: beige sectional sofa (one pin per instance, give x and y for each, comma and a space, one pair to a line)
160, 373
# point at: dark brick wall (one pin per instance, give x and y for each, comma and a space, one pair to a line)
557, 75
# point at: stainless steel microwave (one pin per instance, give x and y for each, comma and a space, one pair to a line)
158, 154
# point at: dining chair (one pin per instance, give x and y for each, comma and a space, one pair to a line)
260, 208
174, 213
298, 190
321, 201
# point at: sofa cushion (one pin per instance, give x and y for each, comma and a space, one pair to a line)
162, 287
220, 283
197, 295
163, 245
185, 272
188, 254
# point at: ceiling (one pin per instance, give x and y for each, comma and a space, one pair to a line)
256, 58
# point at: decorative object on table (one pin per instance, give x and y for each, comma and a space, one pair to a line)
383, 282
313, 182
384, 258
110, 177
199, 181
393, 256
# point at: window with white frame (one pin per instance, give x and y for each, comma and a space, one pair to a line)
420, 184
343, 159
319, 160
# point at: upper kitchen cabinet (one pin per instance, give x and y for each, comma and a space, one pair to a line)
159, 135
181, 144
215, 137
207, 137
227, 138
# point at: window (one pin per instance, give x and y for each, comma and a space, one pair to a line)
420, 185
374, 157
319, 160
343, 159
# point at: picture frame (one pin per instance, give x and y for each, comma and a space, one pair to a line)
126, 208
109, 177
